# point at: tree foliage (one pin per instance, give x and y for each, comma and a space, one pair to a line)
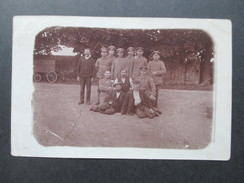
179, 45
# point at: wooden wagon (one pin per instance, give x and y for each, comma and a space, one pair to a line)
45, 68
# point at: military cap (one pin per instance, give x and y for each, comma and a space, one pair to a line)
130, 49
156, 52
120, 50
143, 68
136, 81
111, 48
104, 49
139, 49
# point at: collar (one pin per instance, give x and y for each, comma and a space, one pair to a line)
87, 57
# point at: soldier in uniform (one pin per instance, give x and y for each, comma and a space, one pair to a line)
102, 64
138, 62
118, 64
130, 57
105, 86
85, 74
147, 84
156, 70
111, 52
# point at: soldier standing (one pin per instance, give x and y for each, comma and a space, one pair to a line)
156, 70
118, 64
130, 58
111, 52
138, 62
102, 64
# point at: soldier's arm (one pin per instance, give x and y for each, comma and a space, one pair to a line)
78, 68
97, 64
163, 67
145, 62
112, 69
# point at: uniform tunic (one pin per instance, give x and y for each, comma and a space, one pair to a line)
105, 86
111, 58
129, 60
137, 63
102, 64
147, 85
159, 68
118, 65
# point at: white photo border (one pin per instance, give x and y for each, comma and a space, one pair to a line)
23, 142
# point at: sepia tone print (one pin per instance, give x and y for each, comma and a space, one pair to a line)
99, 87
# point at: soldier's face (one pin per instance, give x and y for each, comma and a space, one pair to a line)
143, 72
104, 53
131, 53
111, 52
156, 56
139, 52
120, 54
107, 74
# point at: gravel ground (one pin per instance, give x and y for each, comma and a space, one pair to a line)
186, 121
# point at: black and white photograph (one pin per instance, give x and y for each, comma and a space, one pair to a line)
140, 88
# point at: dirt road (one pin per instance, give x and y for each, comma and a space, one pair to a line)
186, 121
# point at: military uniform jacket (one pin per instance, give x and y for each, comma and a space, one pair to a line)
159, 68
118, 65
137, 63
102, 64
105, 85
147, 85
129, 62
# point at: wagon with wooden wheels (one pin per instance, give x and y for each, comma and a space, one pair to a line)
45, 69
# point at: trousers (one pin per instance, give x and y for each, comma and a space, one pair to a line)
85, 82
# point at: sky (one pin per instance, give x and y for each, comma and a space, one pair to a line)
65, 51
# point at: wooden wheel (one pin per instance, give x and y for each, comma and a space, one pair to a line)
37, 77
52, 77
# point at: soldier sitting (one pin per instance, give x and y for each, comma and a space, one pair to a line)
113, 102
138, 102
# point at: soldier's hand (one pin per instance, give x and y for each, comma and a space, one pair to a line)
92, 79
78, 78
151, 110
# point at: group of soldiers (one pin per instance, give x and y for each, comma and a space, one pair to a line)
126, 85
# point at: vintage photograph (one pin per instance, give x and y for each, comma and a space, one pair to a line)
125, 87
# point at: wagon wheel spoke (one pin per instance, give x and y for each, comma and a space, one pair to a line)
37, 77
52, 77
